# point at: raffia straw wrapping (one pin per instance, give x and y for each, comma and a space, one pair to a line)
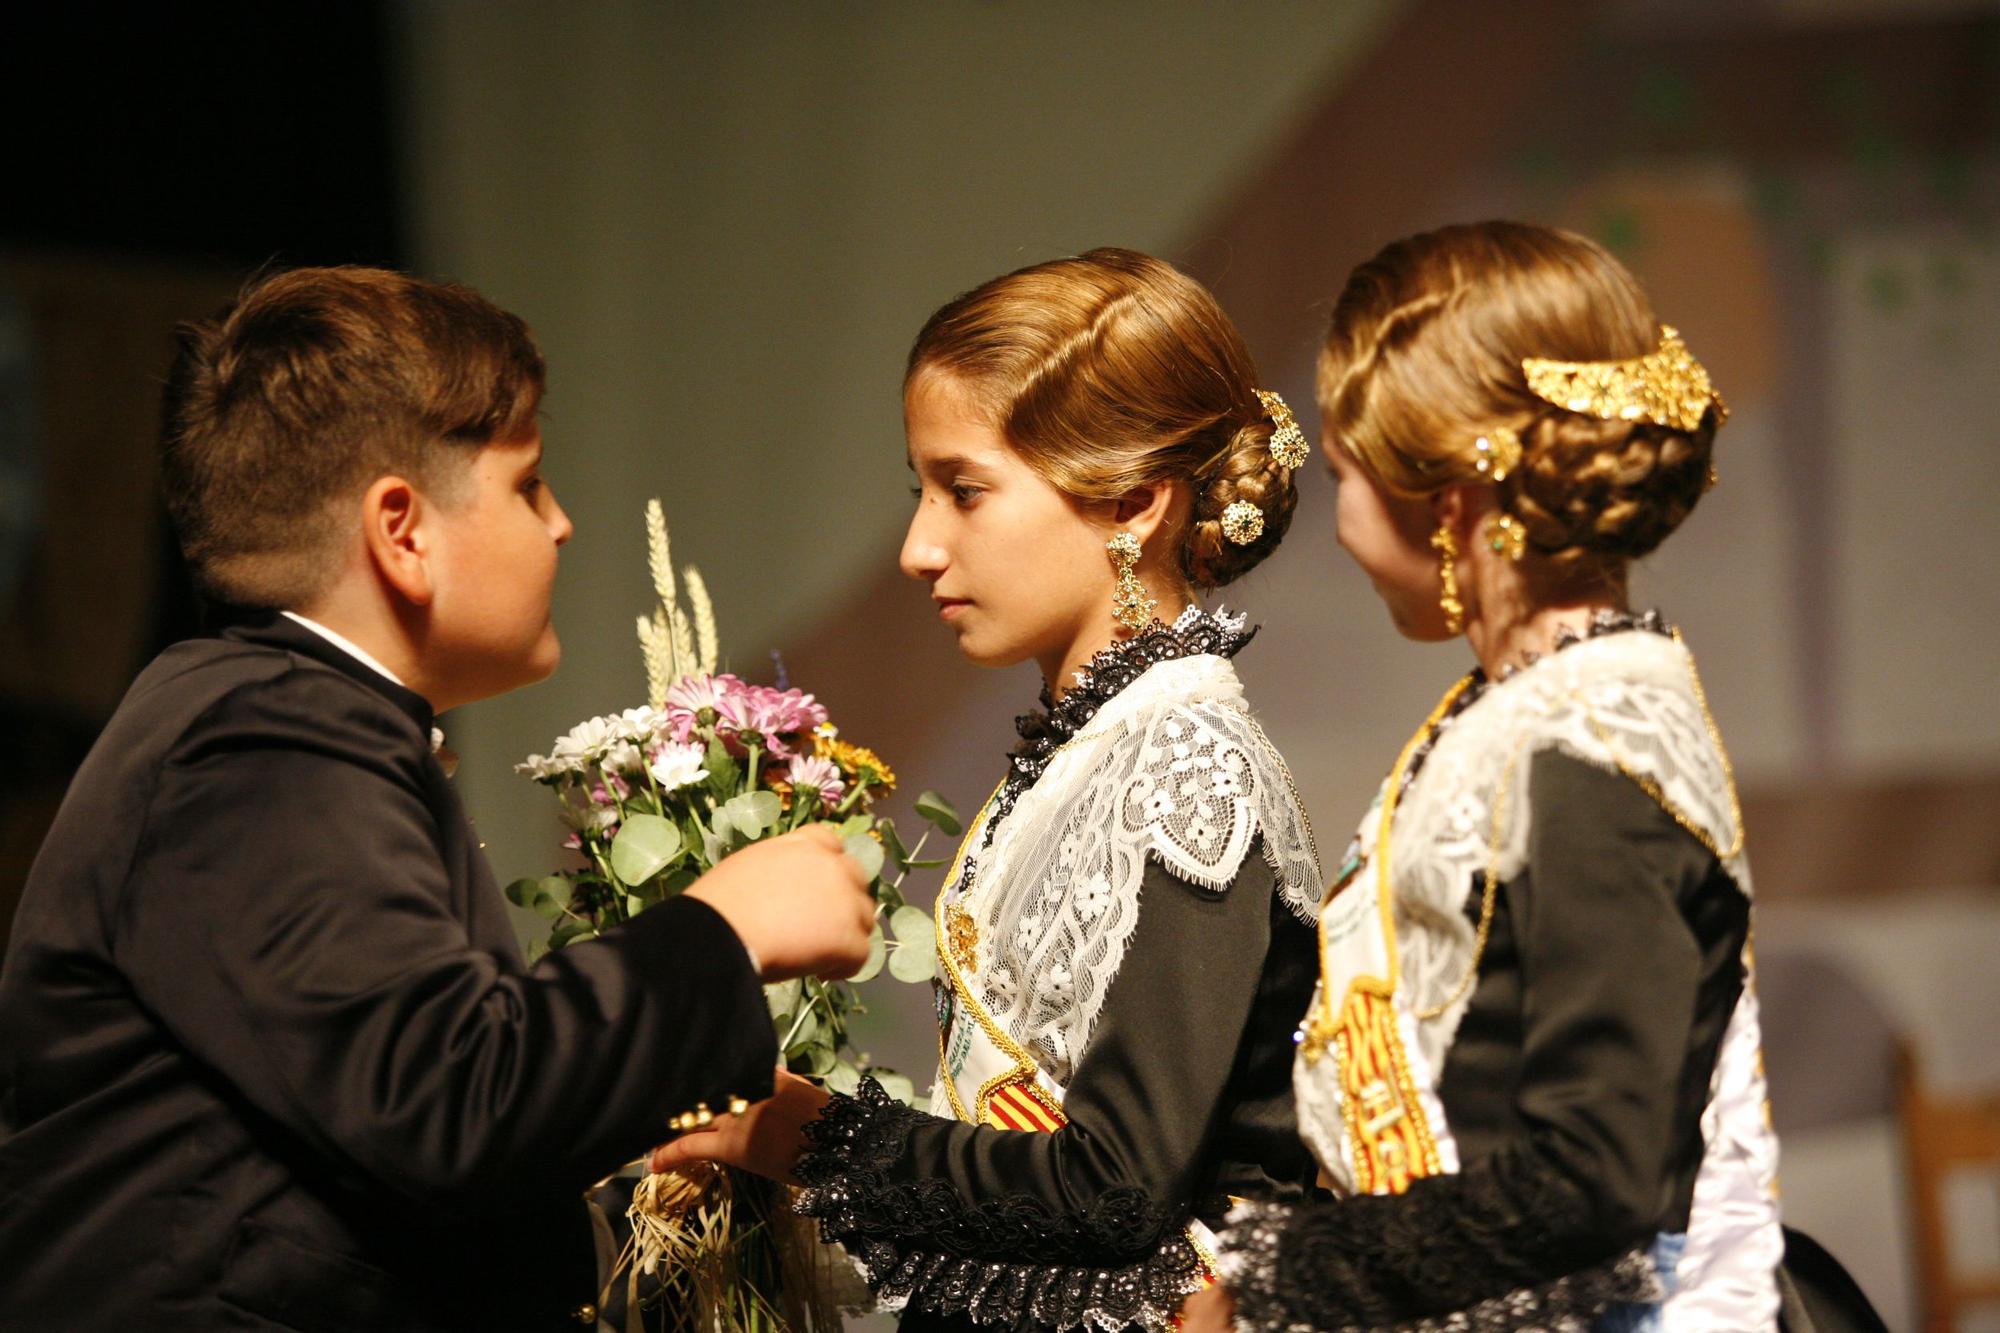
710, 1251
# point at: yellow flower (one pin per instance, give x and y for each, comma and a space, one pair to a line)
859, 762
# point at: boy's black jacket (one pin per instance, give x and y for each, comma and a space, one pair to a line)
269, 1055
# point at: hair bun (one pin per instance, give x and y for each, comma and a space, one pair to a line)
1246, 473
1594, 494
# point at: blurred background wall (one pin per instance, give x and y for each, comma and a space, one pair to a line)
726, 222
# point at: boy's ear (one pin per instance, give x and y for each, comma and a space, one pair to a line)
392, 526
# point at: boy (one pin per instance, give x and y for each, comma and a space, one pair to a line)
269, 1057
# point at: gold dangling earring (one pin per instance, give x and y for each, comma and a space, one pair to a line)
1445, 543
1130, 605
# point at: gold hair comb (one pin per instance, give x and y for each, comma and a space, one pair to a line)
1667, 387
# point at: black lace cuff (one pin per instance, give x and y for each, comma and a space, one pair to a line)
1474, 1252
998, 1261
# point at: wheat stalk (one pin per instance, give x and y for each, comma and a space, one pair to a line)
704, 620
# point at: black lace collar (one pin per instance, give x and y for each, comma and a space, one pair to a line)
1100, 680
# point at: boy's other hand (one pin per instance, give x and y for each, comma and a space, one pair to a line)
768, 1139
798, 903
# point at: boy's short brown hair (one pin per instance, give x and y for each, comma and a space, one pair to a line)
315, 383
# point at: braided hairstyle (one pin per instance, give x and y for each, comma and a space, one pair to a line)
1424, 356
1111, 371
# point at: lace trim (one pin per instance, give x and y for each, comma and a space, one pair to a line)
1601, 624
1464, 1256
923, 1247
1194, 632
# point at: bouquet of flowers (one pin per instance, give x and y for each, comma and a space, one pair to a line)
653, 797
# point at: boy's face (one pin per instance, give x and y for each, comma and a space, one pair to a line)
493, 571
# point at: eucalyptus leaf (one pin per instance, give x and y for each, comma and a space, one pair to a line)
913, 927
878, 953
909, 964
896, 1085
808, 1029
866, 852
634, 904
844, 1079
892, 843
940, 812
643, 848
854, 824
824, 1062
783, 997
522, 892
752, 814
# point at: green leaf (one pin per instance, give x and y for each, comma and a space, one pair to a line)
634, 904
645, 845
678, 881
892, 843
878, 953
867, 853
896, 1085
547, 896
940, 812
752, 814
912, 964
809, 1027
854, 824
928, 864
913, 926
844, 1078
783, 997
824, 1061
567, 929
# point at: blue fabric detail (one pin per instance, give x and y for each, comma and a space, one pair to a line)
1648, 1316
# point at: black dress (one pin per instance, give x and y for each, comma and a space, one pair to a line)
1180, 1100
1609, 1156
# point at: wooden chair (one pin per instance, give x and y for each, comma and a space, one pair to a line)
1944, 1134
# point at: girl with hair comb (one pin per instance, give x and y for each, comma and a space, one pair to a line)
1531, 1070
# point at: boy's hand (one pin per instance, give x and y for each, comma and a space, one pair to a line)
798, 903
768, 1138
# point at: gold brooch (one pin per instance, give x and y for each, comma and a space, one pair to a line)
1667, 387
962, 937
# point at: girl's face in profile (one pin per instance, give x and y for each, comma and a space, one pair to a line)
1016, 568
1389, 537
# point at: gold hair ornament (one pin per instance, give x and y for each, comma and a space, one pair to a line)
1129, 603
1242, 522
1288, 442
1505, 536
1497, 453
1667, 387
1445, 543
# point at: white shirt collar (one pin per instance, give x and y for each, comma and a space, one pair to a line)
346, 645
361, 655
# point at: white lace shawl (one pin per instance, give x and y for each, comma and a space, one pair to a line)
1172, 767
1625, 702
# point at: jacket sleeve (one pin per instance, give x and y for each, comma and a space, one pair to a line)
288, 918
939, 1210
1552, 1225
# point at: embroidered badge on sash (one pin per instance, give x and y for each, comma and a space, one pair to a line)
1386, 1124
